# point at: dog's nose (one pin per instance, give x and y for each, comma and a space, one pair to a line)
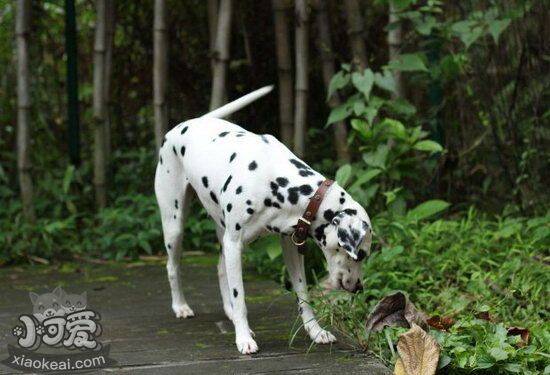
358, 287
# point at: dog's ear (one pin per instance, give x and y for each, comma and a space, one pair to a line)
58, 292
33, 297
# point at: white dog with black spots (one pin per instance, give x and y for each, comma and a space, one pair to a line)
252, 185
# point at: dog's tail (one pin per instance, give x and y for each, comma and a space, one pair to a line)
235, 105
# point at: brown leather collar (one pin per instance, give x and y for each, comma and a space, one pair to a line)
301, 232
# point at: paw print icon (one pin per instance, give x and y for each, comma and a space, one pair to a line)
17, 331
39, 330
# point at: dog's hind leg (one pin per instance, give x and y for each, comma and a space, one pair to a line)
222, 277
173, 196
294, 262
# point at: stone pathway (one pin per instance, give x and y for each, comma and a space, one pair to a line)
145, 337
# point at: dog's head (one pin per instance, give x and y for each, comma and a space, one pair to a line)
347, 242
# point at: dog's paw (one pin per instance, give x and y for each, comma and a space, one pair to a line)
183, 311
247, 345
321, 336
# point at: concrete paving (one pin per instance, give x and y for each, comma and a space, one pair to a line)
145, 337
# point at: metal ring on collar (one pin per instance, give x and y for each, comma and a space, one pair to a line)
296, 242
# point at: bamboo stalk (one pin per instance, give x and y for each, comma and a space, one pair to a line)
221, 54
302, 86
22, 30
99, 106
394, 46
160, 73
109, 45
212, 26
355, 32
324, 44
284, 68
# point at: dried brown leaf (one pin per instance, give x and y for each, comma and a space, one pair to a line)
440, 323
523, 332
395, 310
419, 352
399, 368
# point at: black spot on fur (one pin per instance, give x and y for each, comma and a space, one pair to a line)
276, 205
329, 215
249, 202
205, 181
280, 198
160, 159
239, 190
320, 232
223, 134
176, 204
305, 173
226, 184
282, 181
252, 166
222, 223
182, 151
184, 130
169, 246
350, 211
213, 196
264, 138
299, 164
250, 210
163, 141
293, 195
229, 207
342, 200
237, 226
300, 280
276, 230
232, 157
235, 293
306, 189
267, 202
361, 254
174, 149
342, 193
239, 135
174, 217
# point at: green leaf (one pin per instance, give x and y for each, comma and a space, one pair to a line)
343, 174
401, 106
362, 127
393, 127
496, 27
498, 354
385, 81
68, 178
273, 250
377, 158
339, 81
363, 82
428, 146
338, 114
365, 177
427, 209
410, 62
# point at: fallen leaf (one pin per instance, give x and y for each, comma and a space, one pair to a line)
418, 351
399, 368
440, 323
395, 310
484, 315
523, 332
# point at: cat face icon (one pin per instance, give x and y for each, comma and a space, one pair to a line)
47, 305
74, 302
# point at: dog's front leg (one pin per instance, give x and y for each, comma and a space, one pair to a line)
232, 248
295, 265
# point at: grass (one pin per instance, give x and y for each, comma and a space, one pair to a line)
460, 269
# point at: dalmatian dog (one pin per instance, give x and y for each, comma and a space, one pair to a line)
252, 185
